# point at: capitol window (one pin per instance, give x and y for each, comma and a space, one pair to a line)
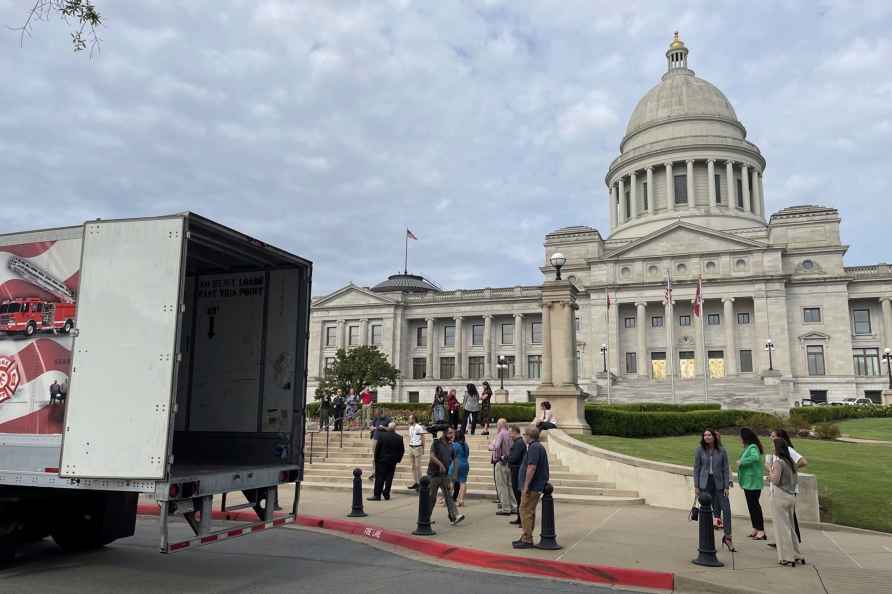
656, 322
681, 189
718, 189
713, 319
815, 359
629, 322
477, 334
684, 320
743, 318
421, 336
449, 336
811, 315
536, 332
377, 334
861, 321
331, 336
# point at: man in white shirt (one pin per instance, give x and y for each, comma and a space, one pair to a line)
416, 448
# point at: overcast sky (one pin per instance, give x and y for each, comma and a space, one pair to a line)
329, 127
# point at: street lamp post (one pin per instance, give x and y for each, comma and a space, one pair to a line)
887, 355
604, 356
558, 260
502, 365
769, 346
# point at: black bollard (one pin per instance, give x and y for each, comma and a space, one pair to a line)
547, 537
424, 508
707, 537
357, 511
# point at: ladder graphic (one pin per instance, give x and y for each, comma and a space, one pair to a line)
40, 277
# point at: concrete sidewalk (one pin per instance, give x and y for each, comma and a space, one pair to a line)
649, 538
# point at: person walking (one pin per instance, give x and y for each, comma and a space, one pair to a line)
453, 407
460, 468
438, 411
486, 408
325, 407
712, 473
471, 405
515, 458
749, 476
800, 462
438, 471
352, 409
533, 477
785, 481
547, 420
389, 451
501, 452
340, 405
416, 449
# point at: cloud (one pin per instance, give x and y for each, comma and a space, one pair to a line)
328, 127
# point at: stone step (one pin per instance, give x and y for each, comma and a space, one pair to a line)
366, 461
604, 500
345, 470
403, 473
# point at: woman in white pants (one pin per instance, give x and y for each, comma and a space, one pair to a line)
784, 480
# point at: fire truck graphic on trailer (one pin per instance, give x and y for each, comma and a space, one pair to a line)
29, 315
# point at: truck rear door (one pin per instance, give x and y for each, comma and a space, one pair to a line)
118, 417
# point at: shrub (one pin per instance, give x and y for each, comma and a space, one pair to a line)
827, 430
663, 407
515, 413
606, 421
823, 414
761, 422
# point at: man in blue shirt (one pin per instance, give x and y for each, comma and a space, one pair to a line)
532, 476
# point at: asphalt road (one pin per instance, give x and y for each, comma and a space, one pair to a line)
282, 560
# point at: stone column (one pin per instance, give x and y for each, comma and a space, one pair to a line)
612, 206
430, 350
341, 342
624, 214
670, 187
633, 198
692, 200
757, 205
546, 344
650, 190
519, 356
886, 304
730, 324
732, 190
559, 385
762, 193
745, 187
641, 326
364, 332
487, 347
710, 181
459, 348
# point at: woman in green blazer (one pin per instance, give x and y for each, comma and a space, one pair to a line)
749, 476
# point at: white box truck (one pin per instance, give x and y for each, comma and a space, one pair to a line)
164, 357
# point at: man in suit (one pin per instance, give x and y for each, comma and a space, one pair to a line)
389, 452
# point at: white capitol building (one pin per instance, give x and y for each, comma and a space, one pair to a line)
686, 198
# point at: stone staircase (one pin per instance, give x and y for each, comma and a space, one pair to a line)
740, 392
334, 471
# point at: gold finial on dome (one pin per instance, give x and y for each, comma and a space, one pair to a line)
676, 43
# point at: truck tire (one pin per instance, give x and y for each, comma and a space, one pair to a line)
30, 329
67, 327
7, 549
79, 532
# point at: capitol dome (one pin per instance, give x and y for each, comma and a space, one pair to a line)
685, 155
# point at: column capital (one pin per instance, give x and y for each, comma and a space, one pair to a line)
487, 316
633, 173
727, 299
429, 320
458, 318
641, 304
340, 322
518, 316
744, 166
730, 162
689, 161
668, 164
649, 169
364, 320
710, 162
886, 298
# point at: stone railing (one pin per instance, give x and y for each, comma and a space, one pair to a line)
869, 270
475, 294
664, 485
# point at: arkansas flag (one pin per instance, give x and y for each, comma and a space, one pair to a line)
410, 235
697, 306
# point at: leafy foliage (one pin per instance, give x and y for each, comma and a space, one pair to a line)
827, 430
360, 366
82, 12
822, 414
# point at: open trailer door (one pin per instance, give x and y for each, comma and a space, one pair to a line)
119, 409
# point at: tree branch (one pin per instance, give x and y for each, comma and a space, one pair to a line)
82, 12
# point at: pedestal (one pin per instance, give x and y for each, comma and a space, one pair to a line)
887, 397
567, 405
771, 377
500, 396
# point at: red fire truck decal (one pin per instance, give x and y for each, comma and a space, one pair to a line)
9, 377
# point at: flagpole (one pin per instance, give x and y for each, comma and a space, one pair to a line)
705, 353
671, 345
608, 347
406, 256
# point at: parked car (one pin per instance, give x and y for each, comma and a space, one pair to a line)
807, 402
864, 402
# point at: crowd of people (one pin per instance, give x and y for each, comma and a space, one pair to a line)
712, 475
353, 409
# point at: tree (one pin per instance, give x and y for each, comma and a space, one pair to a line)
360, 366
82, 12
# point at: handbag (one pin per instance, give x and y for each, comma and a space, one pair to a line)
695, 511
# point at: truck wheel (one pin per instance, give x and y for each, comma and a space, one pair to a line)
7, 549
30, 329
79, 531
67, 327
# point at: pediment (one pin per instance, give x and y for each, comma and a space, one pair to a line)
351, 296
683, 238
814, 335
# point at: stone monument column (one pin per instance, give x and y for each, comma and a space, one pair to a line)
459, 348
559, 377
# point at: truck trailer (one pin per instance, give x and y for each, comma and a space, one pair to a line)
177, 374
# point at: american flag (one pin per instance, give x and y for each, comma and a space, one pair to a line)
410, 235
667, 295
697, 306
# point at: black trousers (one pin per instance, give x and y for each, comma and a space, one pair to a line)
455, 488
472, 417
515, 486
755, 508
339, 420
383, 479
453, 419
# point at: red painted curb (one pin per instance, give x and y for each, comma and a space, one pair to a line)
597, 574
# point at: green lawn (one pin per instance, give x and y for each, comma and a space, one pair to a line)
854, 480
868, 428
